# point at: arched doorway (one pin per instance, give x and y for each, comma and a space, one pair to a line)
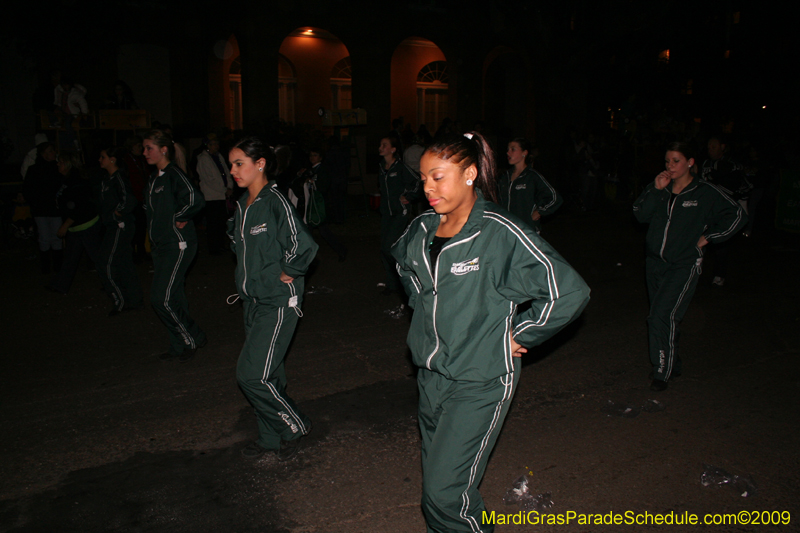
420, 89
225, 84
317, 58
341, 85
432, 88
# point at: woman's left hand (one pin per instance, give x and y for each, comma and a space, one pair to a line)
286, 278
517, 349
181, 225
702, 242
536, 215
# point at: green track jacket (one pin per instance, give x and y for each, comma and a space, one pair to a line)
398, 181
701, 209
116, 195
465, 310
269, 238
171, 197
528, 193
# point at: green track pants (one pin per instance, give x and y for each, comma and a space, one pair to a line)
168, 296
460, 422
262, 376
670, 288
116, 268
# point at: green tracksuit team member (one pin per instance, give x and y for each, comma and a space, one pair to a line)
117, 203
171, 200
685, 213
399, 188
274, 250
523, 191
466, 266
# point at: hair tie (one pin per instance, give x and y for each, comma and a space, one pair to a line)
468, 136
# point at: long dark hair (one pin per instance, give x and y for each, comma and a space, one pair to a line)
467, 150
255, 148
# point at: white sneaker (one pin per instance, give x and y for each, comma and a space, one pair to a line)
718, 281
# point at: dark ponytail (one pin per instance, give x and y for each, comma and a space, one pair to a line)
467, 150
162, 139
525, 145
255, 149
118, 153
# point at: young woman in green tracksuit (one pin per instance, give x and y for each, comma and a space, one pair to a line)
523, 191
274, 250
117, 203
466, 266
399, 188
685, 214
171, 201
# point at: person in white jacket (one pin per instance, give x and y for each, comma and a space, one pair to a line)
217, 185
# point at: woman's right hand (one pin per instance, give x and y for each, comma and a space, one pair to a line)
663, 179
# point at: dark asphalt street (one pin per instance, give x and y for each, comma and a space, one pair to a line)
98, 435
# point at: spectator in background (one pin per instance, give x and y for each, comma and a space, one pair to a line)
42, 184
217, 186
121, 98
71, 110
722, 171
317, 180
424, 135
81, 226
30, 157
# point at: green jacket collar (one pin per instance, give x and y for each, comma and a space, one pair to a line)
473, 223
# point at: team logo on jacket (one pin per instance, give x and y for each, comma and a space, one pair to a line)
521, 186
465, 267
255, 230
159, 189
690, 203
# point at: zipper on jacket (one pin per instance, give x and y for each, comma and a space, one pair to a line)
386, 183
152, 211
435, 279
244, 246
670, 208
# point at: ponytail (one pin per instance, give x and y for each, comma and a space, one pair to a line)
525, 145
164, 140
467, 150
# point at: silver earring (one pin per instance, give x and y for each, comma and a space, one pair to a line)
469, 182
260, 169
